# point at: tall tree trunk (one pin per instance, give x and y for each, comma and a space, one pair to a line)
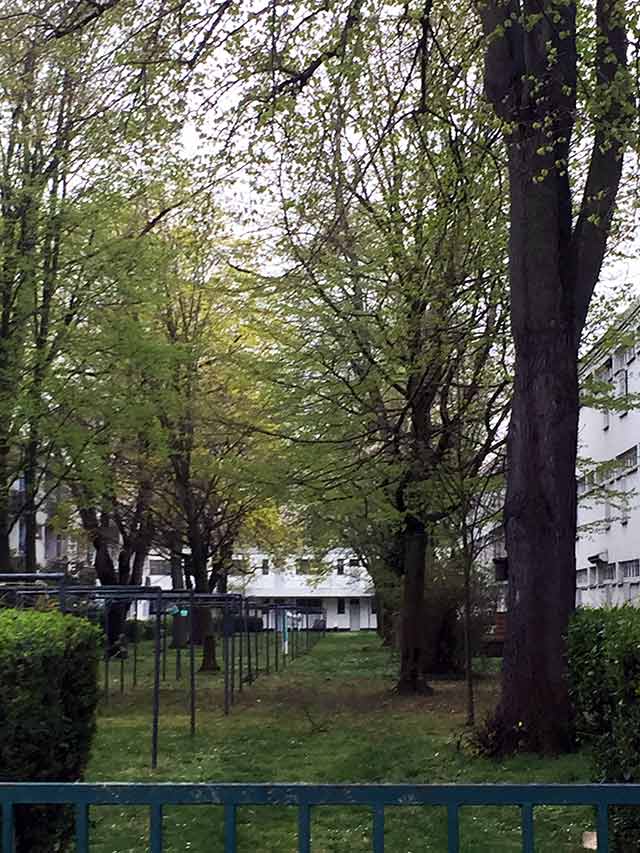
554, 267
540, 521
540, 509
414, 654
209, 656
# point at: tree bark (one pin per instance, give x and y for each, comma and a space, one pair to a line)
553, 270
414, 652
209, 657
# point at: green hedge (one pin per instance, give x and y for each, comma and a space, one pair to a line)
48, 697
604, 665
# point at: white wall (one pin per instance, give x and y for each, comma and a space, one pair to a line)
602, 440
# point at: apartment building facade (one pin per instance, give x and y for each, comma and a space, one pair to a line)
608, 540
338, 584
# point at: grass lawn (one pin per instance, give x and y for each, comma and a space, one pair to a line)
330, 717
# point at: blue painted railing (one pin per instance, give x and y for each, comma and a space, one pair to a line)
378, 797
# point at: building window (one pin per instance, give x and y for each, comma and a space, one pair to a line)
354, 561
340, 567
607, 514
630, 569
605, 419
619, 359
607, 573
158, 566
627, 461
374, 605
582, 577
340, 606
622, 386
582, 488
265, 567
605, 372
302, 566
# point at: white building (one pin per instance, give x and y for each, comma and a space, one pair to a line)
339, 585
608, 542
18, 533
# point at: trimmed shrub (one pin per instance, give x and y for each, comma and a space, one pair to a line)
604, 667
48, 698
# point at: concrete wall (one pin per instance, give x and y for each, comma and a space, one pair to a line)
605, 529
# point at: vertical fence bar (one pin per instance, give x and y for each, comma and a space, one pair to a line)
156, 684
227, 663
192, 668
246, 627
378, 828
453, 829
82, 828
527, 828
304, 829
256, 635
276, 637
230, 828
135, 644
266, 646
164, 642
237, 620
232, 641
256, 643
107, 651
602, 827
155, 828
7, 827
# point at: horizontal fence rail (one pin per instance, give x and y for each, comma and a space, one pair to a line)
305, 797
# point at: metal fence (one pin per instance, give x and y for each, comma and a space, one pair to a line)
307, 797
254, 638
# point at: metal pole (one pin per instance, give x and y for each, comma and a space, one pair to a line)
240, 647
156, 683
266, 644
277, 639
225, 643
256, 639
135, 644
192, 669
164, 642
106, 651
246, 627
233, 666
62, 600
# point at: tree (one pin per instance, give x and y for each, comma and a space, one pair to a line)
535, 56
395, 282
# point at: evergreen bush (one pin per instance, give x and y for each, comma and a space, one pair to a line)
604, 667
48, 698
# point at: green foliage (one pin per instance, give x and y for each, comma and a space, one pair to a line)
604, 665
48, 697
